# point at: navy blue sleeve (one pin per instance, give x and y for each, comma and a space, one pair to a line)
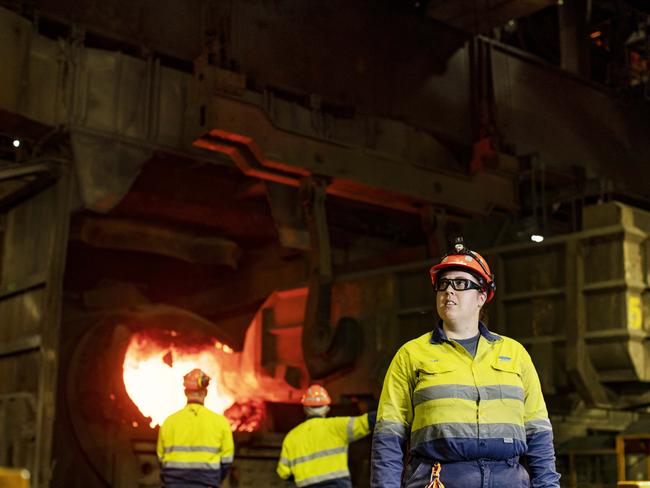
225, 468
386, 463
372, 419
541, 460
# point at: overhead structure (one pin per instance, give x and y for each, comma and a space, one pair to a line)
244, 132
480, 16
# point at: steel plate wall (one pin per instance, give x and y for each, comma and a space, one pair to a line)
32, 264
536, 302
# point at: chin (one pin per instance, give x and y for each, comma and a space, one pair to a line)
446, 316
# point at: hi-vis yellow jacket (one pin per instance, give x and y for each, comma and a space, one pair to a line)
455, 407
196, 445
317, 450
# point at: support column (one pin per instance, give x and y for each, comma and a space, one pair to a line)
574, 37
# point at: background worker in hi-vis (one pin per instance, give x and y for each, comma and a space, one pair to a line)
315, 453
468, 399
195, 444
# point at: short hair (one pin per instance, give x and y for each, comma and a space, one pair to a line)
317, 411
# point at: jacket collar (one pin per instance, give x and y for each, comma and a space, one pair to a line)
438, 335
309, 417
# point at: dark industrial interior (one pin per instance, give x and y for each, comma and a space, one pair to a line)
260, 187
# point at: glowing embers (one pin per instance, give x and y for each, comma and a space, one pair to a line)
246, 415
155, 363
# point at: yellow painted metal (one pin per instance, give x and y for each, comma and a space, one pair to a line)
620, 457
634, 312
14, 478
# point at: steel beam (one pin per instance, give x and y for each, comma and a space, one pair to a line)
243, 132
132, 235
21, 346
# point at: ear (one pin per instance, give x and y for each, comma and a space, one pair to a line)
482, 298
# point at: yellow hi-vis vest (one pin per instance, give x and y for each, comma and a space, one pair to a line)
317, 449
195, 438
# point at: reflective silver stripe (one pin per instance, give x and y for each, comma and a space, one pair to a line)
214, 450
444, 391
467, 392
508, 391
312, 480
539, 425
319, 454
391, 427
188, 465
285, 461
468, 431
227, 459
351, 429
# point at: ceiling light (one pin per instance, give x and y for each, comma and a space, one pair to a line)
537, 238
16, 143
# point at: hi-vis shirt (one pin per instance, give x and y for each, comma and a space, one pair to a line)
195, 445
316, 451
458, 408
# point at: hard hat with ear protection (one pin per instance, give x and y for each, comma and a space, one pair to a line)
196, 380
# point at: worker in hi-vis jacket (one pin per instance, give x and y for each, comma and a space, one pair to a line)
195, 444
462, 398
315, 453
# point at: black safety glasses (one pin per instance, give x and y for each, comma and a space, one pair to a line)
458, 284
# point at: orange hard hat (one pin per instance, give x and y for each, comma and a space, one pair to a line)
315, 396
196, 380
467, 260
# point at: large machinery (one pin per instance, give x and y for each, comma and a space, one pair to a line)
161, 211
576, 302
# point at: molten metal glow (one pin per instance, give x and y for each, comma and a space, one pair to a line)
154, 370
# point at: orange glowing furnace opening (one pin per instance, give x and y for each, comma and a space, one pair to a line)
154, 366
